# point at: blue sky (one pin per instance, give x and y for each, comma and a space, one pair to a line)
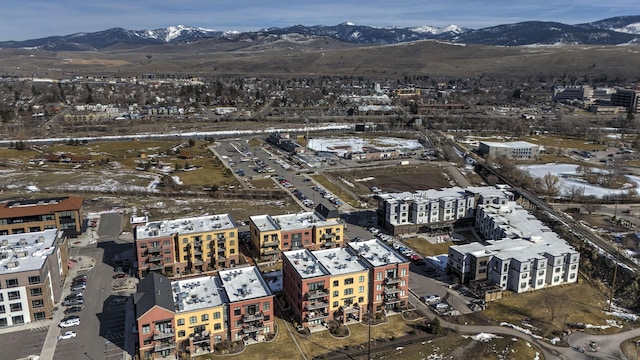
30, 19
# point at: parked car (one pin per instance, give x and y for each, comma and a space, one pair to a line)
120, 276
73, 302
440, 306
72, 296
80, 277
67, 335
73, 309
77, 287
70, 323
430, 299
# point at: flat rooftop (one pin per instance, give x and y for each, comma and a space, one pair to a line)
510, 144
185, 226
26, 252
244, 284
340, 261
305, 263
303, 220
431, 194
376, 253
264, 222
197, 293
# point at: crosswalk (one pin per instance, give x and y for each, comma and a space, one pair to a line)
39, 328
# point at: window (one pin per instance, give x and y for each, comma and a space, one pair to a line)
11, 283
193, 319
13, 295
336, 293
34, 280
266, 306
348, 291
204, 317
17, 320
232, 242
16, 307
574, 266
403, 272
557, 270
236, 311
336, 283
361, 289
39, 315
572, 276
379, 287
361, 299
378, 297
379, 276
37, 303
146, 329
216, 315
523, 285
143, 245
180, 322
3, 322
348, 281
217, 326
167, 251
335, 304
181, 333
2, 309
166, 243
361, 278
524, 276
539, 282
556, 279
209, 237
541, 272
167, 260
185, 240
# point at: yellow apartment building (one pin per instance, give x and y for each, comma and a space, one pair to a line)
348, 283
200, 313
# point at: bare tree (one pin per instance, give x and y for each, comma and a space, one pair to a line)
575, 192
550, 184
592, 207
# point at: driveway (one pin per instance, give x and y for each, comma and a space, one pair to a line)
110, 227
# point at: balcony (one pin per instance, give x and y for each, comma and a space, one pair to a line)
270, 252
154, 258
197, 251
328, 236
391, 291
350, 309
271, 243
164, 346
201, 338
390, 281
329, 243
221, 248
163, 335
197, 262
154, 250
316, 294
221, 240
252, 317
250, 329
316, 315
317, 305
392, 300
156, 267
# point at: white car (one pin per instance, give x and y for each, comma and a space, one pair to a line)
67, 335
70, 323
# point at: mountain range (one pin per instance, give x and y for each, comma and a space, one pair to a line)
622, 30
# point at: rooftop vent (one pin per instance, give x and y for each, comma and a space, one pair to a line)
4, 242
40, 240
13, 264
22, 241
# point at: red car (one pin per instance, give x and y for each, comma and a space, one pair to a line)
120, 276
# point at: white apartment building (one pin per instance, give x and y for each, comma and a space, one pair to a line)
521, 253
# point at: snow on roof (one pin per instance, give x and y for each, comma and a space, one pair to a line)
244, 284
301, 221
305, 263
197, 293
376, 253
27, 251
339, 261
185, 226
264, 222
509, 144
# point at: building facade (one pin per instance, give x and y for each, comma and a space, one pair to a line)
271, 235
33, 215
510, 150
388, 275
521, 254
32, 268
192, 315
187, 246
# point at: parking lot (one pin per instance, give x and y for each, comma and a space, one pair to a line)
21, 344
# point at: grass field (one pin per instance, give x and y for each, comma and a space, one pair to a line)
425, 248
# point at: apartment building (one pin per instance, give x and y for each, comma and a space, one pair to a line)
388, 274
201, 313
155, 318
32, 266
521, 253
627, 98
188, 245
349, 288
33, 215
271, 235
306, 286
425, 210
193, 315
251, 312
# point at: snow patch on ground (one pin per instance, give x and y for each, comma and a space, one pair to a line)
484, 337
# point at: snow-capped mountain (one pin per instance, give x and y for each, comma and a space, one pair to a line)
612, 31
